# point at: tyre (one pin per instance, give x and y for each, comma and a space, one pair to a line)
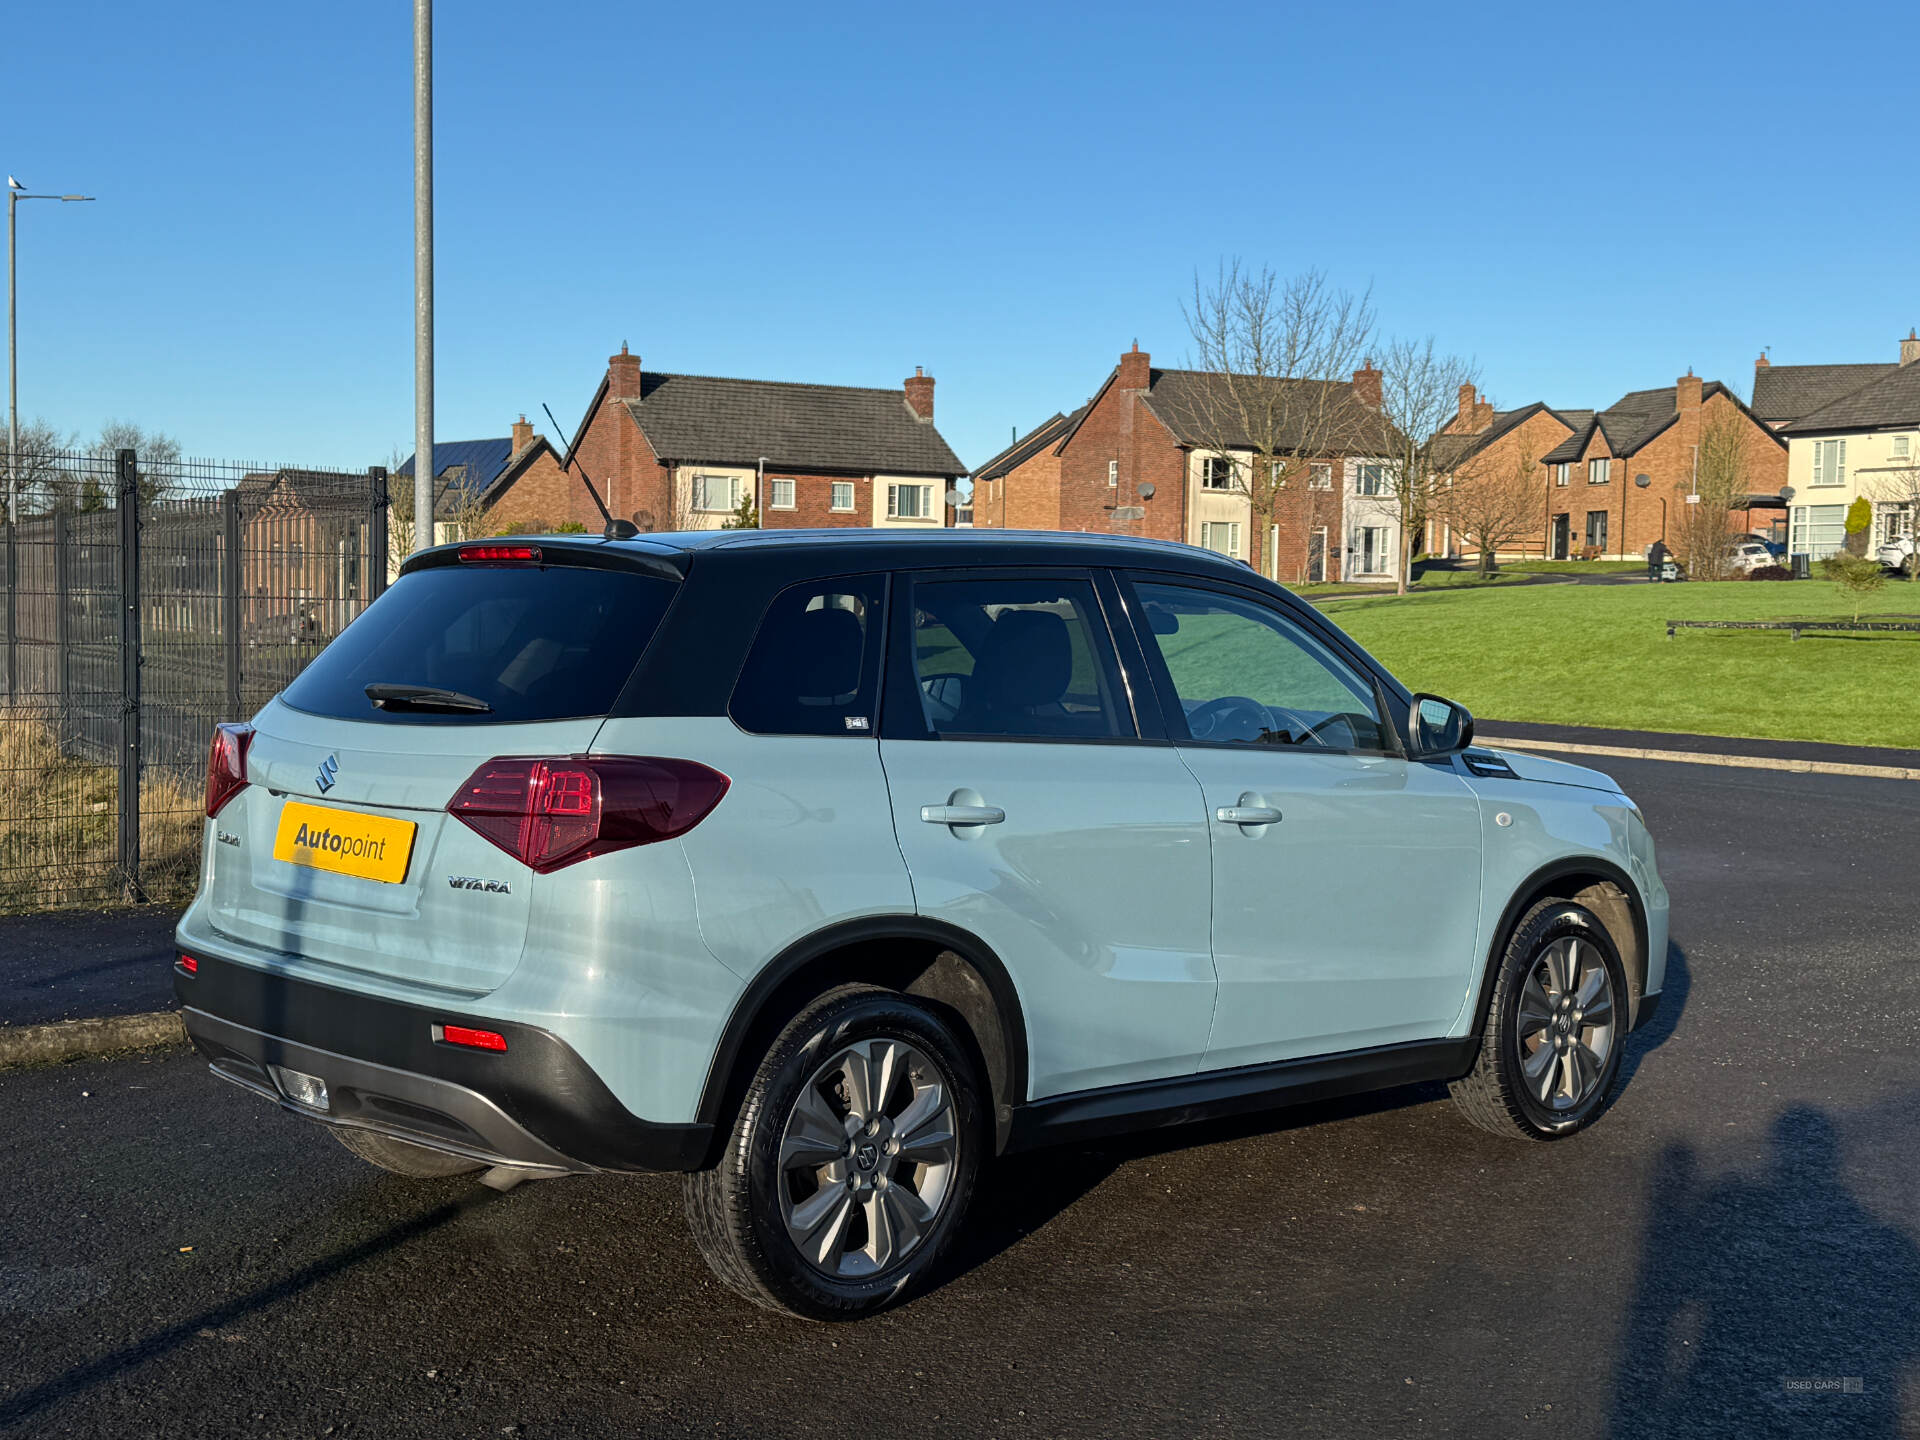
852, 1162
1555, 1030
403, 1157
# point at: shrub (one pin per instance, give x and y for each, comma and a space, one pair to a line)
1855, 575
1770, 572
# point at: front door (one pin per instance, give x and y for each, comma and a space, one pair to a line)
1558, 550
1032, 816
1317, 556
1346, 879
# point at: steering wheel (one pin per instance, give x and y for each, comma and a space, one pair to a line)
1206, 721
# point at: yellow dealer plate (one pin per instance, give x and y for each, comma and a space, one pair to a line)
371, 847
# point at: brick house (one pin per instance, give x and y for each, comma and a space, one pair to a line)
513, 482
681, 452
1481, 440
1595, 505
1137, 459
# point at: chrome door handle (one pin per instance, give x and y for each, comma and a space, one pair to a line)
962, 814
1247, 815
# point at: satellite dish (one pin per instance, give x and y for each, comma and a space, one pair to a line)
1146, 491
1643, 481
1786, 492
954, 497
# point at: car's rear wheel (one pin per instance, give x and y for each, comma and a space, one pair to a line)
852, 1161
1555, 1030
403, 1157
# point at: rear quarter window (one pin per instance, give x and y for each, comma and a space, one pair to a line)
552, 643
815, 663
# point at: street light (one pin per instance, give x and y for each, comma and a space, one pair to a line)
16, 192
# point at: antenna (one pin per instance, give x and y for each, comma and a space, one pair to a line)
616, 529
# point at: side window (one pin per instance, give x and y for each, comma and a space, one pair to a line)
1017, 658
1245, 674
815, 661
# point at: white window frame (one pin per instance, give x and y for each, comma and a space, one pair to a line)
924, 505
1829, 463
841, 487
1382, 552
1816, 530
701, 495
1320, 476
1370, 478
1599, 471
1216, 472
774, 502
1563, 473
1113, 474
1208, 530
1902, 447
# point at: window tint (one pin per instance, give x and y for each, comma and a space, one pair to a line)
1246, 674
814, 663
1016, 658
536, 644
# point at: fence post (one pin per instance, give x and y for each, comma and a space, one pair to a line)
129, 587
232, 570
62, 621
376, 532
13, 619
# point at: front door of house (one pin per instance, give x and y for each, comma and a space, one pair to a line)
1317, 556
1597, 531
1559, 547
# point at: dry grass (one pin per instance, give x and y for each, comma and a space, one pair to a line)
59, 825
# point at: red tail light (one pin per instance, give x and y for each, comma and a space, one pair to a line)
550, 813
471, 1038
188, 964
227, 765
500, 554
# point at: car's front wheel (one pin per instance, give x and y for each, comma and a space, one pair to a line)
1555, 1030
852, 1161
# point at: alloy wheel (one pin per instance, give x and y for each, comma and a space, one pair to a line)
867, 1157
1565, 1023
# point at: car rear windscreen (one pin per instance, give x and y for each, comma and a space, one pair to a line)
527, 644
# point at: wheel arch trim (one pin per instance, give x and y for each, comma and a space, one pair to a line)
1539, 885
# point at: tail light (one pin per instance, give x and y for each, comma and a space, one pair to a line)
499, 554
550, 813
227, 765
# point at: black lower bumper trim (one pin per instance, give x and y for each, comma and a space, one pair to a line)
536, 1103
1649, 1006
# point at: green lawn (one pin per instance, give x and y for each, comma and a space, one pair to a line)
1575, 567
1599, 655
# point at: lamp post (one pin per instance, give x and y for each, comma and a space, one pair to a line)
16, 192
423, 476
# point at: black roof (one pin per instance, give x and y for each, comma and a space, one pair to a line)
1789, 392
1893, 399
1458, 449
1634, 419
1028, 445
841, 428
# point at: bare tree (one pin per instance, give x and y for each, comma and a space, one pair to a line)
1895, 491
1279, 356
156, 455
1492, 503
1704, 540
1419, 397
42, 478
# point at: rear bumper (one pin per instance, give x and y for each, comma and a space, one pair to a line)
537, 1104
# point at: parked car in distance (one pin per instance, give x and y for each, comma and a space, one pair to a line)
1775, 548
1750, 554
1896, 553
827, 867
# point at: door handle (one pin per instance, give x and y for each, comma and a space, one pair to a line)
1247, 815
962, 814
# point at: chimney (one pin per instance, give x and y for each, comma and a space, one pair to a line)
522, 435
1136, 369
1467, 408
1686, 393
1482, 414
920, 395
1910, 347
623, 375
1762, 363
1366, 385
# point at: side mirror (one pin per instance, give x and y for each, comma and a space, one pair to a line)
1439, 727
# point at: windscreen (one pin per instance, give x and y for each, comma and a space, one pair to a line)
552, 643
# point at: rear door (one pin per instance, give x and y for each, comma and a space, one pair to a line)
340, 853
1031, 814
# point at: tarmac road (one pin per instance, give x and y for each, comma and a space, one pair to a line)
178, 1258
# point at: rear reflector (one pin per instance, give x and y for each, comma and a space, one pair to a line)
227, 765
554, 812
472, 1039
500, 554
189, 964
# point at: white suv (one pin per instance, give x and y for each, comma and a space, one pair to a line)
825, 867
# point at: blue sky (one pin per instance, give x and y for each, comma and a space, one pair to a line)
1584, 199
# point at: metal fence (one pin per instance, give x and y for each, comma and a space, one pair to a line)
146, 601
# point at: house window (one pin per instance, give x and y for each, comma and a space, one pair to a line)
1320, 477
1893, 520
1900, 447
1373, 549
1277, 474
1817, 530
716, 494
780, 496
1222, 537
843, 495
1563, 472
1829, 462
1113, 474
1216, 473
1372, 480
1597, 471
1597, 530
909, 502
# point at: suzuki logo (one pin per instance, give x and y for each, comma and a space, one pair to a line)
329, 768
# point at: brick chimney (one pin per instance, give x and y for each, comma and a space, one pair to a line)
920, 395
1686, 394
1482, 414
623, 375
522, 435
1464, 422
1762, 363
1910, 347
1136, 369
1366, 385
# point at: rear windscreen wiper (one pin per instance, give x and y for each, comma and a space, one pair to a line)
425, 697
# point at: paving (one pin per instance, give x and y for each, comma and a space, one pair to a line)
182, 1259
82, 964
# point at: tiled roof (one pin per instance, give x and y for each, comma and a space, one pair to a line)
1027, 446
1630, 422
1790, 392
479, 461
1195, 406
693, 418
1452, 450
1893, 399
